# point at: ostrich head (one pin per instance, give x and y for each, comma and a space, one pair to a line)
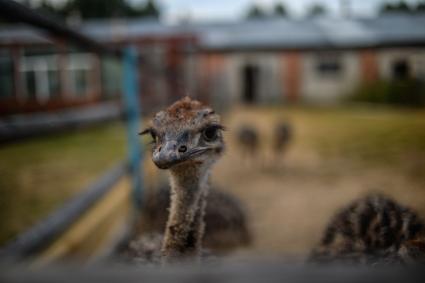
187, 134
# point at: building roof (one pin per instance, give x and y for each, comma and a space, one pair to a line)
389, 30
274, 33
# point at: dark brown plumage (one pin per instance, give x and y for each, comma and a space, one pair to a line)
373, 230
186, 140
282, 137
226, 225
248, 140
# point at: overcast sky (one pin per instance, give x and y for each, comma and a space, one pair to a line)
234, 9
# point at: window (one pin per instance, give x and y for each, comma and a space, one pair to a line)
329, 64
78, 69
40, 77
6, 75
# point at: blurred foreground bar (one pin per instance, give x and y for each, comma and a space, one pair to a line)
223, 272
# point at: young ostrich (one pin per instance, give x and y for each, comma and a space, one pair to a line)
373, 230
282, 137
248, 140
187, 140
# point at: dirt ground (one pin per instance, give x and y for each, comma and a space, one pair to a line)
336, 155
290, 198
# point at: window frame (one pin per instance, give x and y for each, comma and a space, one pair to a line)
41, 65
79, 62
329, 64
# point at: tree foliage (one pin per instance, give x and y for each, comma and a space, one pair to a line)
420, 8
257, 12
402, 7
317, 10
280, 10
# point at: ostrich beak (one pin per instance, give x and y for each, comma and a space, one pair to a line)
172, 153
166, 155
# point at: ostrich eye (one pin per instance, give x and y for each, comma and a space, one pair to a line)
153, 136
210, 133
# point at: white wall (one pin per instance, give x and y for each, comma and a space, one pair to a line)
269, 77
316, 87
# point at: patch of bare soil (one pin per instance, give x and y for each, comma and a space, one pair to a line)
291, 197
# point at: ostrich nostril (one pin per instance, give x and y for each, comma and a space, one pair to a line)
182, 148
159, 149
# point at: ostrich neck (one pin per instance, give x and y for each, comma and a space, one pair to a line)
185, 226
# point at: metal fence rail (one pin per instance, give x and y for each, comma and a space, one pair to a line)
41, 235
17, 127
17, 12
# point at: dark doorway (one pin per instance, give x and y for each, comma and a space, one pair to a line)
250, 83
401, 69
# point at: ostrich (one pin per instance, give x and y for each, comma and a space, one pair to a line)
282, 137
373, 230
225, 219
248, 140
187, 141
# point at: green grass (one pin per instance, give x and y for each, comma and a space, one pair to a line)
38, 175
379, 135
366, 136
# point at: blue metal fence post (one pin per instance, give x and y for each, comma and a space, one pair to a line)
132, 111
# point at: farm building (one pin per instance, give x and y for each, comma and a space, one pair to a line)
259, 61
318, 60
40, 74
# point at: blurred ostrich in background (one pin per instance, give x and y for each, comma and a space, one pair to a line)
282, 136
248, 141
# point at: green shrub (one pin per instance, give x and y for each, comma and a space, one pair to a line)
408, 92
